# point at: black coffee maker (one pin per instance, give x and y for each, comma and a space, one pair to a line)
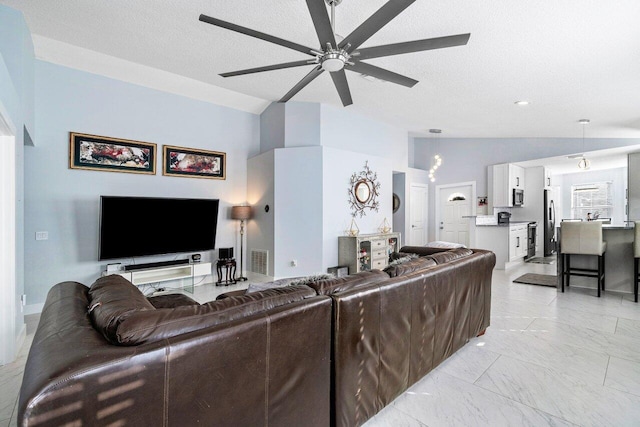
503, 217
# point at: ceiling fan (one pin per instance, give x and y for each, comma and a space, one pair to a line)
336, 56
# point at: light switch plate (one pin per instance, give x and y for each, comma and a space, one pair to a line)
42, 235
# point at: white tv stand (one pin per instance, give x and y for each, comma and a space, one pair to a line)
184, 272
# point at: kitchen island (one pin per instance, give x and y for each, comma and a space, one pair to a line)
618, 265
508, 241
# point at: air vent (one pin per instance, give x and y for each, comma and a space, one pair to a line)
260, 261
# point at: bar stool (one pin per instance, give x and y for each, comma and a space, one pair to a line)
636, 259
582, 238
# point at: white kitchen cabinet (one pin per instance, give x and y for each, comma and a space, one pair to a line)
548, 182
516, 177
517, 241
502, 180
498, 186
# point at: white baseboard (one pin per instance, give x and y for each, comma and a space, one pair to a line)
22, 335
33, 308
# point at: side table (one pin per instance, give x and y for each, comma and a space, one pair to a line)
230, 271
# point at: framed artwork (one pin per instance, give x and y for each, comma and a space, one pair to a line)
103, 153
188, 162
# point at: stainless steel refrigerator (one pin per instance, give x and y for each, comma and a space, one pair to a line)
549, 224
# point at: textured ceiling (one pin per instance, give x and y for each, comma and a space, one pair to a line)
570, 59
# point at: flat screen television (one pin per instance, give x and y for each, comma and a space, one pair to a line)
142, 226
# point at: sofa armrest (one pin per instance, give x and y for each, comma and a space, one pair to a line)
231, 294
422, 250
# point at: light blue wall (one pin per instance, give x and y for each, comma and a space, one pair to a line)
297, 209
346, 130
323, 147
272, 127
16, 49
65, 202
338, 167
302, 124
17, 103
467, 159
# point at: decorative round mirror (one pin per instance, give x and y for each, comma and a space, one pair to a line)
362, 191
396, 203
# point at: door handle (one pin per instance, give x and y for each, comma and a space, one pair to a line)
518, 242
517, 181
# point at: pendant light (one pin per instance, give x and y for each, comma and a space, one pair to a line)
584, 163
437, 159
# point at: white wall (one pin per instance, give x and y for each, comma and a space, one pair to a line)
399, 220
617, 176
260, 193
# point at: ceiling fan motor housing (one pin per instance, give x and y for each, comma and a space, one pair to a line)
334, 59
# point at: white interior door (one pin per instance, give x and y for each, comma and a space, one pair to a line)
7, 244
418, 215
455, 203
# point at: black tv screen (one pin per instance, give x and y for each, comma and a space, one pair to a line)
141, 226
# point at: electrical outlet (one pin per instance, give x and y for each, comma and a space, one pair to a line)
42, 235
294, 263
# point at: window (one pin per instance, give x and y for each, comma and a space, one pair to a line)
595, 198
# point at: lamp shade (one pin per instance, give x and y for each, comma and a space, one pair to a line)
241, 212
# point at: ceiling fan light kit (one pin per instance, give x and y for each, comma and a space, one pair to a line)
337, 54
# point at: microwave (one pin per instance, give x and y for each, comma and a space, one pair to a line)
518, 197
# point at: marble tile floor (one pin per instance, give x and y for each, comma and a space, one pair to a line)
548, 359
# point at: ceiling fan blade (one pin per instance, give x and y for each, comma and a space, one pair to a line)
381, 73
302, 83
376, 21
318, 10
340, 81
256, 34
268, 68
413, 46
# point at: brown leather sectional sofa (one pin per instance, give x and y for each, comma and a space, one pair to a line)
334, 353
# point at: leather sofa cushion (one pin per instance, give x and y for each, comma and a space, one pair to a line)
112, 299
171, 301
339, 284
125, 317
450, 255
409, 266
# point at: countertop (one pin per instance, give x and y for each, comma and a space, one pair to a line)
614, 227
504, 225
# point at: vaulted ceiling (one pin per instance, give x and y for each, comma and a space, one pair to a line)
570, 59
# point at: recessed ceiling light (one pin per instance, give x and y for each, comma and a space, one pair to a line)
521, 102
435, 130
584, 121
